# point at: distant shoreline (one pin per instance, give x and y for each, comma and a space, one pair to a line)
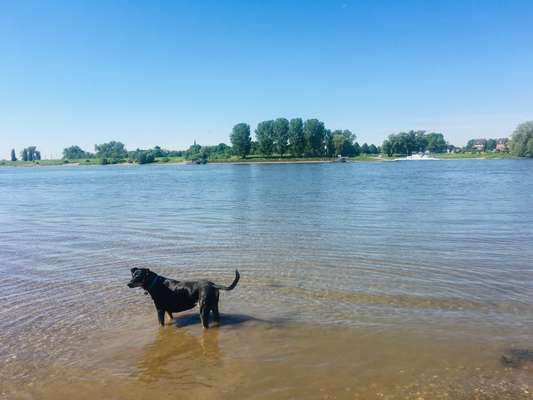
93, 162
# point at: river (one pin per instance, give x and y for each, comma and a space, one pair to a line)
358, 280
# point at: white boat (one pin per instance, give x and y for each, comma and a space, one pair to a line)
417, 157
340, 159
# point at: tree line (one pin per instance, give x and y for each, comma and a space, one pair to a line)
522, 140
114, 152
407, 143
297, 138
292, 138
28, 154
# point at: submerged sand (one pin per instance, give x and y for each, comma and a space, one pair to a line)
250, 359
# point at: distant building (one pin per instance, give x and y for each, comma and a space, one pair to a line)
502, 144
479, 144
453, 149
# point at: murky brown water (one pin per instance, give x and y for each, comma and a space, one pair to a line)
352, 286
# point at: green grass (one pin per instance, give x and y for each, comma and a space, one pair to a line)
169, 160
277, 158
367, 157
20, 163
83, 161
259, 159
43, 163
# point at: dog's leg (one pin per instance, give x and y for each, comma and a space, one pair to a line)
214, 308
204, 315
170, 315
161, 317
216, 315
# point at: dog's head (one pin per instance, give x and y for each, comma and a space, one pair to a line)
140, 277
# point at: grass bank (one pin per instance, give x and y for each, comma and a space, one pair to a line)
258, 159
288, 160
44, 163
87, 161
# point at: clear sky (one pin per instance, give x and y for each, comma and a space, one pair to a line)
165, 73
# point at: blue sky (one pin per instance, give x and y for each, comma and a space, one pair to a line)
166, 73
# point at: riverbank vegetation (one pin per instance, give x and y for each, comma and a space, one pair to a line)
283, 140
522, 140
407, 143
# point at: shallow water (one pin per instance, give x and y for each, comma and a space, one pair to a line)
377, 280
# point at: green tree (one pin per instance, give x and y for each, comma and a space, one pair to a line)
349, 144
338, 142
281, 135
329, 144
158, 152
113, 150
222, 150
522, 140
254, 149
405, 143
265, 137
13, 155
193, 152
491, 145
74, 153
356, 149
314, 132
141, 156
372, 149
365, 149
420, 141
30, 154
530, 148
241, 140
341, 142
386, 147
437, 143
219, 151
144, 157
470, 144
296, 137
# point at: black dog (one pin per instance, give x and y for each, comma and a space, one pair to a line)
171, 296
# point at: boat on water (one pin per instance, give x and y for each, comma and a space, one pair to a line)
340, 159
417, 157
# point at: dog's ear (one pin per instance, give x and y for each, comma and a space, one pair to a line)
133, 270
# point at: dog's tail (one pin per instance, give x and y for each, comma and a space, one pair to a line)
232, 286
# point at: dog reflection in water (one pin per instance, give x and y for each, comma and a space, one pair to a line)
180, 356
188, 356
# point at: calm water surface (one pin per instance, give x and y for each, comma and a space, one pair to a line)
352, 267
